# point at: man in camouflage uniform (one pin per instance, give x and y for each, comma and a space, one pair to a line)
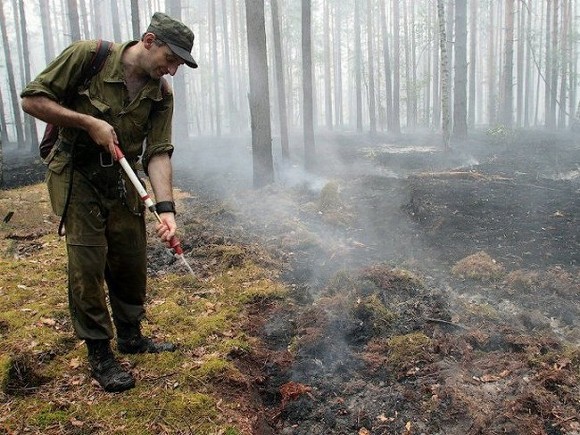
127, 103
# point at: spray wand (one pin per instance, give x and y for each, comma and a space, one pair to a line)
174, 242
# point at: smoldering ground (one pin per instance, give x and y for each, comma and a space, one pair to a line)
420, 280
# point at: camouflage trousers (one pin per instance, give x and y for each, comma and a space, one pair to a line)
106, 243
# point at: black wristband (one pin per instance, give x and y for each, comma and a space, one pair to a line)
165, 207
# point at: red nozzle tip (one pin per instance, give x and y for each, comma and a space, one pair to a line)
175, 244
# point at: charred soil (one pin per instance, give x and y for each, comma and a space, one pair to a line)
430, 291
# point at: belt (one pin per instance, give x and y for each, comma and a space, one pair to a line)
91, 154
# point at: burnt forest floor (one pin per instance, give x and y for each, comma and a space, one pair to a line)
429, 291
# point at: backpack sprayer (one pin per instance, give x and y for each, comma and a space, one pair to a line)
174, 242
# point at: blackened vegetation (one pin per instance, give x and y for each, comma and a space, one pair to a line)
388, 331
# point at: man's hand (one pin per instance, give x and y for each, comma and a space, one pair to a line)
103, 134
166, 228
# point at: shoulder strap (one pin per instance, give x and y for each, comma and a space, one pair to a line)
98, 60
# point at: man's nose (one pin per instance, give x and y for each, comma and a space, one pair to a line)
173, 69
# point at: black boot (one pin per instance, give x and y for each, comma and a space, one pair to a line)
106, 369
131, 341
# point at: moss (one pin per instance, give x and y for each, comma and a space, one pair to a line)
371, 309
214, 366
5, 365
523, 280
407, 350
50, 416
479, 266
329, 196
389, 279
342, 282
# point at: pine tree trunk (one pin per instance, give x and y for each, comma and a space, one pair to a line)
14, 96
508, 100
358, 65
387, 66
259, 94
445, 121
46, 32
232, 110
565, 63
73, 20
29, 121
471, 115
135, 20
436, 76
491, 77
528, 90
327, 67
549, 120
307, 103
280, 82
215, 68
460, 77
371, 68
396, 68
555, 62
338, 112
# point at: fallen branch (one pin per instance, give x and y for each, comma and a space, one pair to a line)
445, 322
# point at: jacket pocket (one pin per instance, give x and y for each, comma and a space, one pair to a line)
57, 181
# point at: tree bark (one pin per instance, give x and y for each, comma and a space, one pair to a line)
327, 67
73, 20
29, 121
309, 145
460, 77
259, 94
471, 113
358, 65
387, 66
280, 82
396, 68
371, 69
14, 97
445, 121
135, 20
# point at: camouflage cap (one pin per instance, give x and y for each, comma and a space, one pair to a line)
175, 34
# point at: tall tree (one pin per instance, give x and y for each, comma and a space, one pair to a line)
508, 100
445, 121
280, 82
473, 17
436, 78
357, 65
555, 62
73, 20
232, 113
387, 67
47, 40
371, 68
14, 99
327, 67
491, 62
30, 123
307, 104
396, 68
215, 66
460, 76
259, 94
564, 56
338, 112
135, 20
181, 118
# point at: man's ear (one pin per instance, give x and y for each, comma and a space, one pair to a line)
148, 39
